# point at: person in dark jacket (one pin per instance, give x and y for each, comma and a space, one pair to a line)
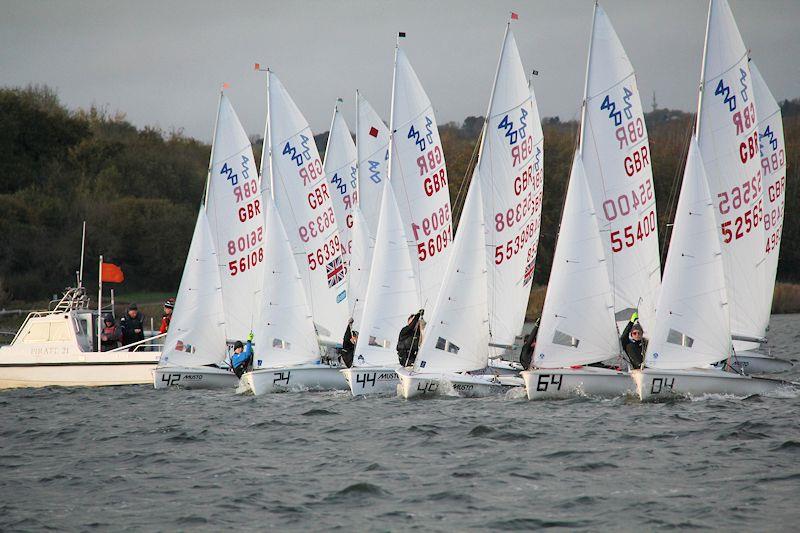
632, 342
349, 344
109, 336
242, 357
131, 326
408, 340
169, 305
529, 346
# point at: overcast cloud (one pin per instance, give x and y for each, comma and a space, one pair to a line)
162, 61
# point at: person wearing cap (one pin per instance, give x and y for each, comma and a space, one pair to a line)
242, 356
131, 326
169, 305
109, 336
631, 339
349, 344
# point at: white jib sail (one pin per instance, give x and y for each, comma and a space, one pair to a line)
511, 164
196, 335
728, 139
773, 179
391, 294
577, 325
304, 201
372, 144
340, 170
617, 158
692, 325
360, 261
419, 177
285, 334
235, 216
456, 338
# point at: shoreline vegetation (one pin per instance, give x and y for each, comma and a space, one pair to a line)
139, 190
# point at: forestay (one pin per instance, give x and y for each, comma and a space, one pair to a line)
196, 334
419, 177
457, 335
728, 141
577, 325
616, 156
692, 325
235, 217
511, 166
340, 170
773, 178
392, 293
304, 202
285, 334
372, 145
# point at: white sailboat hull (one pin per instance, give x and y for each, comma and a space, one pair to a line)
654, 385
81, 370
204, 377
299, 378
758, 363
561, 383
427, 384
372, 380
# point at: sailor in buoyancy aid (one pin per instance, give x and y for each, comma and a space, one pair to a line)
529, 346
242, 357
633, 342
349, 344
408, 340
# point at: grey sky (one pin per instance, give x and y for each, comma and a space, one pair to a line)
162, 62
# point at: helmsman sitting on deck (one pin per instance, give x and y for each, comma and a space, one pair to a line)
242, 357
632, 342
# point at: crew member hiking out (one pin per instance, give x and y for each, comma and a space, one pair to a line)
349, 344
131, 326
408, 341
169, 305
109, 337
242, 357
529, 346
632, 342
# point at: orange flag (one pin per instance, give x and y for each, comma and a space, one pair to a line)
111, 273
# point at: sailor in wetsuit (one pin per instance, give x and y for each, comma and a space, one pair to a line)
632, 342
242, 357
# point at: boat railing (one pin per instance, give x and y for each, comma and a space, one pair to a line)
73, 298
145, 345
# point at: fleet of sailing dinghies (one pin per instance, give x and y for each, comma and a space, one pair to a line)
304, 200
287, 349
390, 297
418, 174
715, 267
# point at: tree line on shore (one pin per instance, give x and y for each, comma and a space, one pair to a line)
139, 190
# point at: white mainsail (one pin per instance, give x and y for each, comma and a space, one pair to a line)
456, 338
419, 177
392, 293
196, 335
617, 159
360, 263
236, 219
372, 145
727, 136
773, 179
577, 325
285, 333
511, 164
692, 325
304, 201
340, 170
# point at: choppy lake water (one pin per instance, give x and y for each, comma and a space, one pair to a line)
138, 459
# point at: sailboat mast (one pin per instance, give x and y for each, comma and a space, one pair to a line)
391, 109
268, 139
211, 157
358, 156
703, 72
586, 82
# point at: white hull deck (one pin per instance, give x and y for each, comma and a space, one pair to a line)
300, 378
758, 363
429, 384
203, 377
372, 380
80, 370
656, 385
562, 383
